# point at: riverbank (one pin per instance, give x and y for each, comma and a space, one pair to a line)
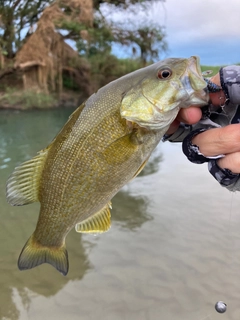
15, 98
30, 99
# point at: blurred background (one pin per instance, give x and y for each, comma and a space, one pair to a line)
173, 249
56, 53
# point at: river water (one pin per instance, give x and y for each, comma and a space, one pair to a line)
172, 252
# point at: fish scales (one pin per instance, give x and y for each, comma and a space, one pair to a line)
86, 187
105, 143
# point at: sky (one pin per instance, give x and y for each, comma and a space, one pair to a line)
209, 29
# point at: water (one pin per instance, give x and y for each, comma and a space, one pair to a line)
172, 251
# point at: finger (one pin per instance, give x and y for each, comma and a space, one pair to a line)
216, 79
173, 127
217, 98
190, 115
230, 161
219, 140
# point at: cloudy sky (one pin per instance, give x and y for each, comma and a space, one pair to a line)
207, 28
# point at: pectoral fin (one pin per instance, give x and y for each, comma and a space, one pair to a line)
23, 184
100, 222
122, 149
140, 168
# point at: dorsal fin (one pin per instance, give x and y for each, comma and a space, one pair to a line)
100, 222
23, 184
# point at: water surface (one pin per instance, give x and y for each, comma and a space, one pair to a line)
172, 252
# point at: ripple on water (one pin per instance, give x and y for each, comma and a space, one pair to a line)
3, 166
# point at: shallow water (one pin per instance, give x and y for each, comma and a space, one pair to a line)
172, 251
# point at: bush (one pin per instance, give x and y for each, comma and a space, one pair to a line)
214, 70
106, 67
26, 99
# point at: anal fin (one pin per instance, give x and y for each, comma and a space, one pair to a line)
98, 223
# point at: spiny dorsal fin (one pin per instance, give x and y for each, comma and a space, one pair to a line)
100, 222
23, 184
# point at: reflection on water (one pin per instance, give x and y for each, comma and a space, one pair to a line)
153, 164
22, 134
172, 252
129, 211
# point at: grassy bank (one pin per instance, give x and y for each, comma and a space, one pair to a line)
214, 70
103, 70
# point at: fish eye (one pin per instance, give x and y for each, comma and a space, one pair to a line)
164, 73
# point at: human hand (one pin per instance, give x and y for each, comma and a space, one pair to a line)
214, 141
221, 141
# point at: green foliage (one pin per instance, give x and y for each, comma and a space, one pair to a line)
93, 39
214, 70
26, 99
69, 83
145, 39
73, 26
150, 40
15, 16
98, 40
107, 67
119, 3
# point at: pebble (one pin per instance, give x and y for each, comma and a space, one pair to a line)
220, 306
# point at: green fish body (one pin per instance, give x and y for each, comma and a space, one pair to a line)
105, 143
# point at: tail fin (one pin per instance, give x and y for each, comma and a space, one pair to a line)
34, 254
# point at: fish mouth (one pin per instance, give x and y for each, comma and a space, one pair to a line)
194, 84
156, 107
190, 89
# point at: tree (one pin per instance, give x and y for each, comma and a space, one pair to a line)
149, 41
144, 37
18, 20
17, 16
38, 42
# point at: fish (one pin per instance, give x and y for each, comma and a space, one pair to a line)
105, 143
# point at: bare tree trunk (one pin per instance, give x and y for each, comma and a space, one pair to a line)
2, 61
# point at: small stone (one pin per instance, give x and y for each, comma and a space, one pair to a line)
220, 306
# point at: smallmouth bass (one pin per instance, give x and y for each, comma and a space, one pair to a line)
105, 143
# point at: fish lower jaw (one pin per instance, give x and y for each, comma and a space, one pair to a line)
155, 125
167, 110
158, 121
200, 98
